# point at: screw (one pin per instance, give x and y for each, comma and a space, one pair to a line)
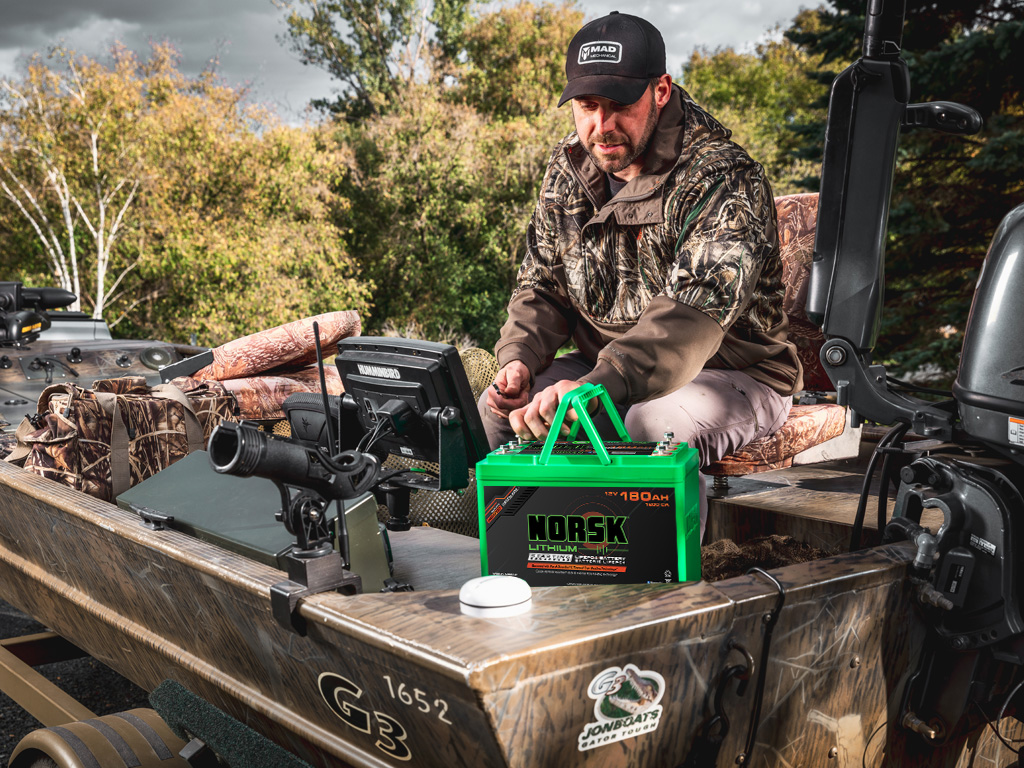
833, 753
741, 759
855, 662
960, 642
766, 618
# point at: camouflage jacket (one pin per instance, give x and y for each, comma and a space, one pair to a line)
679, 271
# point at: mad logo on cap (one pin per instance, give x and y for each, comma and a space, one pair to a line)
600, 51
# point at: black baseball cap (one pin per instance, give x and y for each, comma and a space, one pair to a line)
615, 57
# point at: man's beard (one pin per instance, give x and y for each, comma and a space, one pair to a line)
633, 151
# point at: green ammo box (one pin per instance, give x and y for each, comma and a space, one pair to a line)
567, 512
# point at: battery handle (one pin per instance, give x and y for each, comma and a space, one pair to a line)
577, 399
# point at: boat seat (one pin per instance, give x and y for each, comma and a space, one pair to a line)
815, 431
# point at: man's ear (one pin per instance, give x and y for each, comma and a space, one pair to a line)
663, 91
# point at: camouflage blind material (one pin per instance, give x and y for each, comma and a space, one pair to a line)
105, 439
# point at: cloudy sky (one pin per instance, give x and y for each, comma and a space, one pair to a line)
243, 35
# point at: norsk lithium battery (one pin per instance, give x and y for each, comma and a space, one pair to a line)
576, 512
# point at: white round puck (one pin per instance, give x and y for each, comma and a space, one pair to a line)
494, 597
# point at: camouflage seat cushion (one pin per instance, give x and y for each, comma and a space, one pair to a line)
287, 347
261, 370
262, 397
807, 425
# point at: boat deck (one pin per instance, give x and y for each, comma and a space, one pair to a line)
815, 503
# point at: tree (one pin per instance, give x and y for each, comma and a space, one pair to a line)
949, 192
760, 96
70, 163
515, 58
230, 228
238, 218
373, 48
443, 187
447, 158
441, 195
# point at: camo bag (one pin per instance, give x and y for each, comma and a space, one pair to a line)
106, 439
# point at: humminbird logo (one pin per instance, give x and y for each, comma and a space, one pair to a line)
600, 50
379, 371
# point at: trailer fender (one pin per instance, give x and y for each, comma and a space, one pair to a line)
138, 737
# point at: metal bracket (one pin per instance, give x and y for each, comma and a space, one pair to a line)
309, 573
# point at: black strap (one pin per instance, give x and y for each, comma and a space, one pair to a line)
708, 744
124, 751
156, 742
82, 752
712, 735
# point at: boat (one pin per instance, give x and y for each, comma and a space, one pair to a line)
870, 656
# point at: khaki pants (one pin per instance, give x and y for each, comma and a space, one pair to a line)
717, 413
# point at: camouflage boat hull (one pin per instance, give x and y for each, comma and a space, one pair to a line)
592, 676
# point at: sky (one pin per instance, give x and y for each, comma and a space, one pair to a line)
244, 36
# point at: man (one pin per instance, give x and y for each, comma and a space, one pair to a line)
654, 248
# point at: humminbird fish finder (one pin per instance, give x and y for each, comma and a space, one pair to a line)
412, 400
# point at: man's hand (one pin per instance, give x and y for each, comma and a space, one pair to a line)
513, 389
534, 421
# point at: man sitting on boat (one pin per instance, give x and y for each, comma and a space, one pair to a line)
653, 248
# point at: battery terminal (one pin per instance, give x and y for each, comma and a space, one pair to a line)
667, 446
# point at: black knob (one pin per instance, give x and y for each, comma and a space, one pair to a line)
5, 362
124, 360
75, 355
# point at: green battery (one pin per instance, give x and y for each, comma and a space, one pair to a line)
568, 512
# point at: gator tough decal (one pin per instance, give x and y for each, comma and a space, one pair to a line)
625, 705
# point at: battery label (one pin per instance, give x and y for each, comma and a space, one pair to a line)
549, 557
557, 535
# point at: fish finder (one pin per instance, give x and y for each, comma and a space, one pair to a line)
412, 399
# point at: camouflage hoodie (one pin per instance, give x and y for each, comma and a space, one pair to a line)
679, 271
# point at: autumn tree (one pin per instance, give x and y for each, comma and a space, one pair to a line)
231, 225
239, 219
71, 166
441, 195
514, 60
443, 184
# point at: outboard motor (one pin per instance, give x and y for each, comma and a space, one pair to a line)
966, 574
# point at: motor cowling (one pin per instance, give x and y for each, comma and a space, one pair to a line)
989, 387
